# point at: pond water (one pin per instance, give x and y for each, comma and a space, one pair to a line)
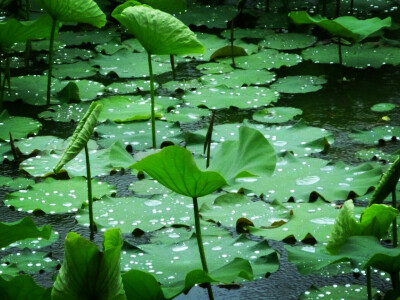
334, 146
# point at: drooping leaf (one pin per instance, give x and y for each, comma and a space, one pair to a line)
87, 273
81, 11
347, 26
19, 127
141, 285
159, 32
23, 287
175, 168
20, 230
81, 135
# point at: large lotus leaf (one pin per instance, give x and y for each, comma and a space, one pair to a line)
238, 78
305, 178
375, 154
347, 26
137, 134
358, 55
288, 41
81, 90
102, 162
276, 114
32, 144
224, 97
251, 155
40, 46
298, 84
20, 230
141, 285
127, 64
87, 273
127, 109
29, 262
65, 112
170, 262
56, 196
81, 135
228, 51
23, 287
183, 86
16, 183
78, 70
36, 243
175, 168
129, 87
148, 215
86, 11
283, 138
348, 291
214, 68
375, 134
148, 187
14, 31
19, 127
159, 33
187, 114
265, 59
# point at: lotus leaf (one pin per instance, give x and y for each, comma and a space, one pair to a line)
19, 127
357, 56
375, 134
81, 90
288, 41
65, 112
78, 70
20, 230
129, 87
183, 86
30, 262
224, 97
228, 51
298, 84
265, 59
23, 287
347, 26
92, 37
36, 243
66, 55
383, 107
87, 273
214, 68
159, 32
56, 196
137, 134
30, 145
238, 78
16, 183
175, 168
148, 187
276, 114
141, 285
369, 154
245, 33
86, 11
187, 114
348, 291
42, 45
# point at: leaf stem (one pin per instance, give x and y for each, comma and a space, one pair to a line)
172, 61
394, 224
51, 53
92, 226
207, 143
200, 244
369, 287
232, 39
1, 83
153, 117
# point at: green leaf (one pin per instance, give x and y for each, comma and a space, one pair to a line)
16, 183
19, 127
20, 230
30, 262
387, 184
87, 273
348, 291
298, 84
276, 114
175, 168
238, 78
373, 135
187, 114
251, 155
141, 285
376, 220
288, 41
159, 32
80, 11
65, 112
22, 287
228, 51
81, 135
347, 26
383, 107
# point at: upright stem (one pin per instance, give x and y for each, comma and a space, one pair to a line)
394, 224
232, 39
1, 84
369, 287
51, 53
153, 117
337, 8
207, 143
7, 72
200, 243
89, 187
28, 9
172, 60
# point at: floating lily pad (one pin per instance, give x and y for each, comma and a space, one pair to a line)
68, 55
39, 143
19, 127
238, 78
36, 243
214, 68
81, 90
183, 86
187, 114
65, 112
102, 162
137, 134
148, 187
288, 41
130, 87
245, 33
276, 114
373, 153
306, 178
265, 59
127, 64
72, 38
223, 97
348, 291
126, 109
56, 196
23, 287
16, 183
81, 69
29, 262
383, 107
298, 84
357, 56
375, 134
210, 16
115, 45
42, 45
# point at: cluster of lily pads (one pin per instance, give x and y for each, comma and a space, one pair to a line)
260, 177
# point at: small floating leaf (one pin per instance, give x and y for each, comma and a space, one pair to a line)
383, 107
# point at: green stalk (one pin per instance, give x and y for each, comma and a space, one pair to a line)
369, 287
153, 117
394, 224
51, 53
200, 244
207, 143
232, 36
1, 84
172, 60
7, 72
92, 226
